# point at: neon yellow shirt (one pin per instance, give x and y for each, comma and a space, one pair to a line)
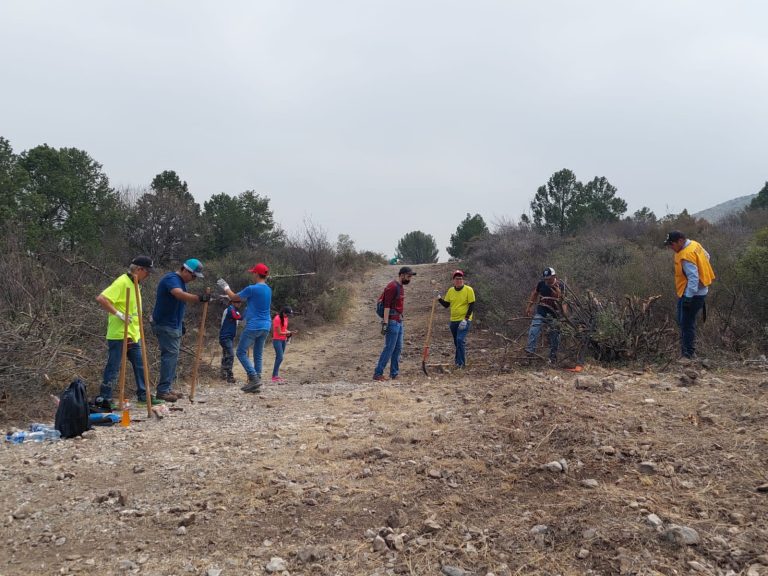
115, 293
459, 301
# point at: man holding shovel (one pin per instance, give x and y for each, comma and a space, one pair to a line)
461, 299
393, 299
112, 300
167, 317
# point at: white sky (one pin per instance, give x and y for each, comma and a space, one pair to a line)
375, 118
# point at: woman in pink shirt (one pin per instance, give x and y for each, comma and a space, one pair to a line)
280, 337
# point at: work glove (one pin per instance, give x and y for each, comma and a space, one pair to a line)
463, 324
127, 318
222, 284
384, 328
437, 294
205, 297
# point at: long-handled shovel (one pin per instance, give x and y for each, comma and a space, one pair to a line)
144, 357
425, 354
125, 417
199, 353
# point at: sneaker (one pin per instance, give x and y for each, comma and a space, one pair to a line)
278, 380
167, 396
177, 394
231, 379
251, 388
380, 378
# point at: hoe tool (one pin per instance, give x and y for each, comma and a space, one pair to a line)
425, 354
145, 358
125, 417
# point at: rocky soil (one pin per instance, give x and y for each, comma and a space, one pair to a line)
490, 470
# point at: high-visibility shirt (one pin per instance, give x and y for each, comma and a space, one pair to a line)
115, 293
694, 253
459, 301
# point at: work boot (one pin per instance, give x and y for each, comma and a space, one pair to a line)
254, 383
231, 379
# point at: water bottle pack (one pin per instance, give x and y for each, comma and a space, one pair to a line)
36, 433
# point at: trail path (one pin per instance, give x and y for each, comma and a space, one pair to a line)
339, 475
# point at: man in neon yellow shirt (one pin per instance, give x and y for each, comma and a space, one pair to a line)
461, 299
112, 300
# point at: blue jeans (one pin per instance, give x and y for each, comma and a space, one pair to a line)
686, 318
169, 340
112, 369
252, 339
554, 334
459, 340
279, 346
227, 356
393, 345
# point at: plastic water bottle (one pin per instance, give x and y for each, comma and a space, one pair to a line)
49, 432
23, 436
35, 437
37, 427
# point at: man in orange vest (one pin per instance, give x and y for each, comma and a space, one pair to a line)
693, 276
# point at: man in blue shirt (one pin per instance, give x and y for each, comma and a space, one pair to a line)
258, 321
167, 321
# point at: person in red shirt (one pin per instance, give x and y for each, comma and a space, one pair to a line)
280, 337
392, 325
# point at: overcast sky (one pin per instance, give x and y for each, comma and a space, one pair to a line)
375, 118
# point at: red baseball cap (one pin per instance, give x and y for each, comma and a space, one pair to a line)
458, 273
260, 269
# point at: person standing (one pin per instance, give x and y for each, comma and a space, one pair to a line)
548, 298
112, 300
227, 333
693, 277
392, 325
167, 321
258, 319
280, 337
461, 299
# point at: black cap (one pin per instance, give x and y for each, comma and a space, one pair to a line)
406, 270
673, 236
144, 262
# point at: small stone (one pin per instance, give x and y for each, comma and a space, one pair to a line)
60, 541
127, 565
213, 572
539, 529
736, 518
681, 535
434, 473
430, 527
647, 467
589, 534
188, 519
379, 544
452, 571
763, 488
564, 464
590, 483
397, 519
608, 450
395, 541
654, 520
309, 554
697, 566
583, 553
194, 450
554, 466
138, 469
276, 564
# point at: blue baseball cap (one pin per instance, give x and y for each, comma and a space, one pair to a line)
195, 266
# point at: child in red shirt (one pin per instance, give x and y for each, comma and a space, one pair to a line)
280, 337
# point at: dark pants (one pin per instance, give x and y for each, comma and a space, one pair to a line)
460, 341
686, 318
227, 357
112, 369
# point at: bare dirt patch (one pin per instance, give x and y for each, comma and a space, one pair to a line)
336, 474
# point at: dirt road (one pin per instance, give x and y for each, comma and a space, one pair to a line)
333, 474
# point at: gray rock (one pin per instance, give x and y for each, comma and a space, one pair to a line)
647, 467
452, 571
310, 554
589, 534
590, 483
379, 544
188, 519
539, 529
608, 450
430, 527
564, 464
681, 535
127, 565
213, 572
583, 553
654, 520
181, 531
588, 383
554, 466
276, 564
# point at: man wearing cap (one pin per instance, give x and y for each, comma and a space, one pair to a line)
461, 299
693, 276
167, 321
258, 321
112, 300
548, 298
392, 325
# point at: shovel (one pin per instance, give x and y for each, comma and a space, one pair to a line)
425, 354
125, 418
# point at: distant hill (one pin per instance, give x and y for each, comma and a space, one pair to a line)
720, 211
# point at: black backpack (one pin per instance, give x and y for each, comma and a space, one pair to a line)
72, 414
380, 301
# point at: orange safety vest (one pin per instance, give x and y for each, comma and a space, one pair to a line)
696, 255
